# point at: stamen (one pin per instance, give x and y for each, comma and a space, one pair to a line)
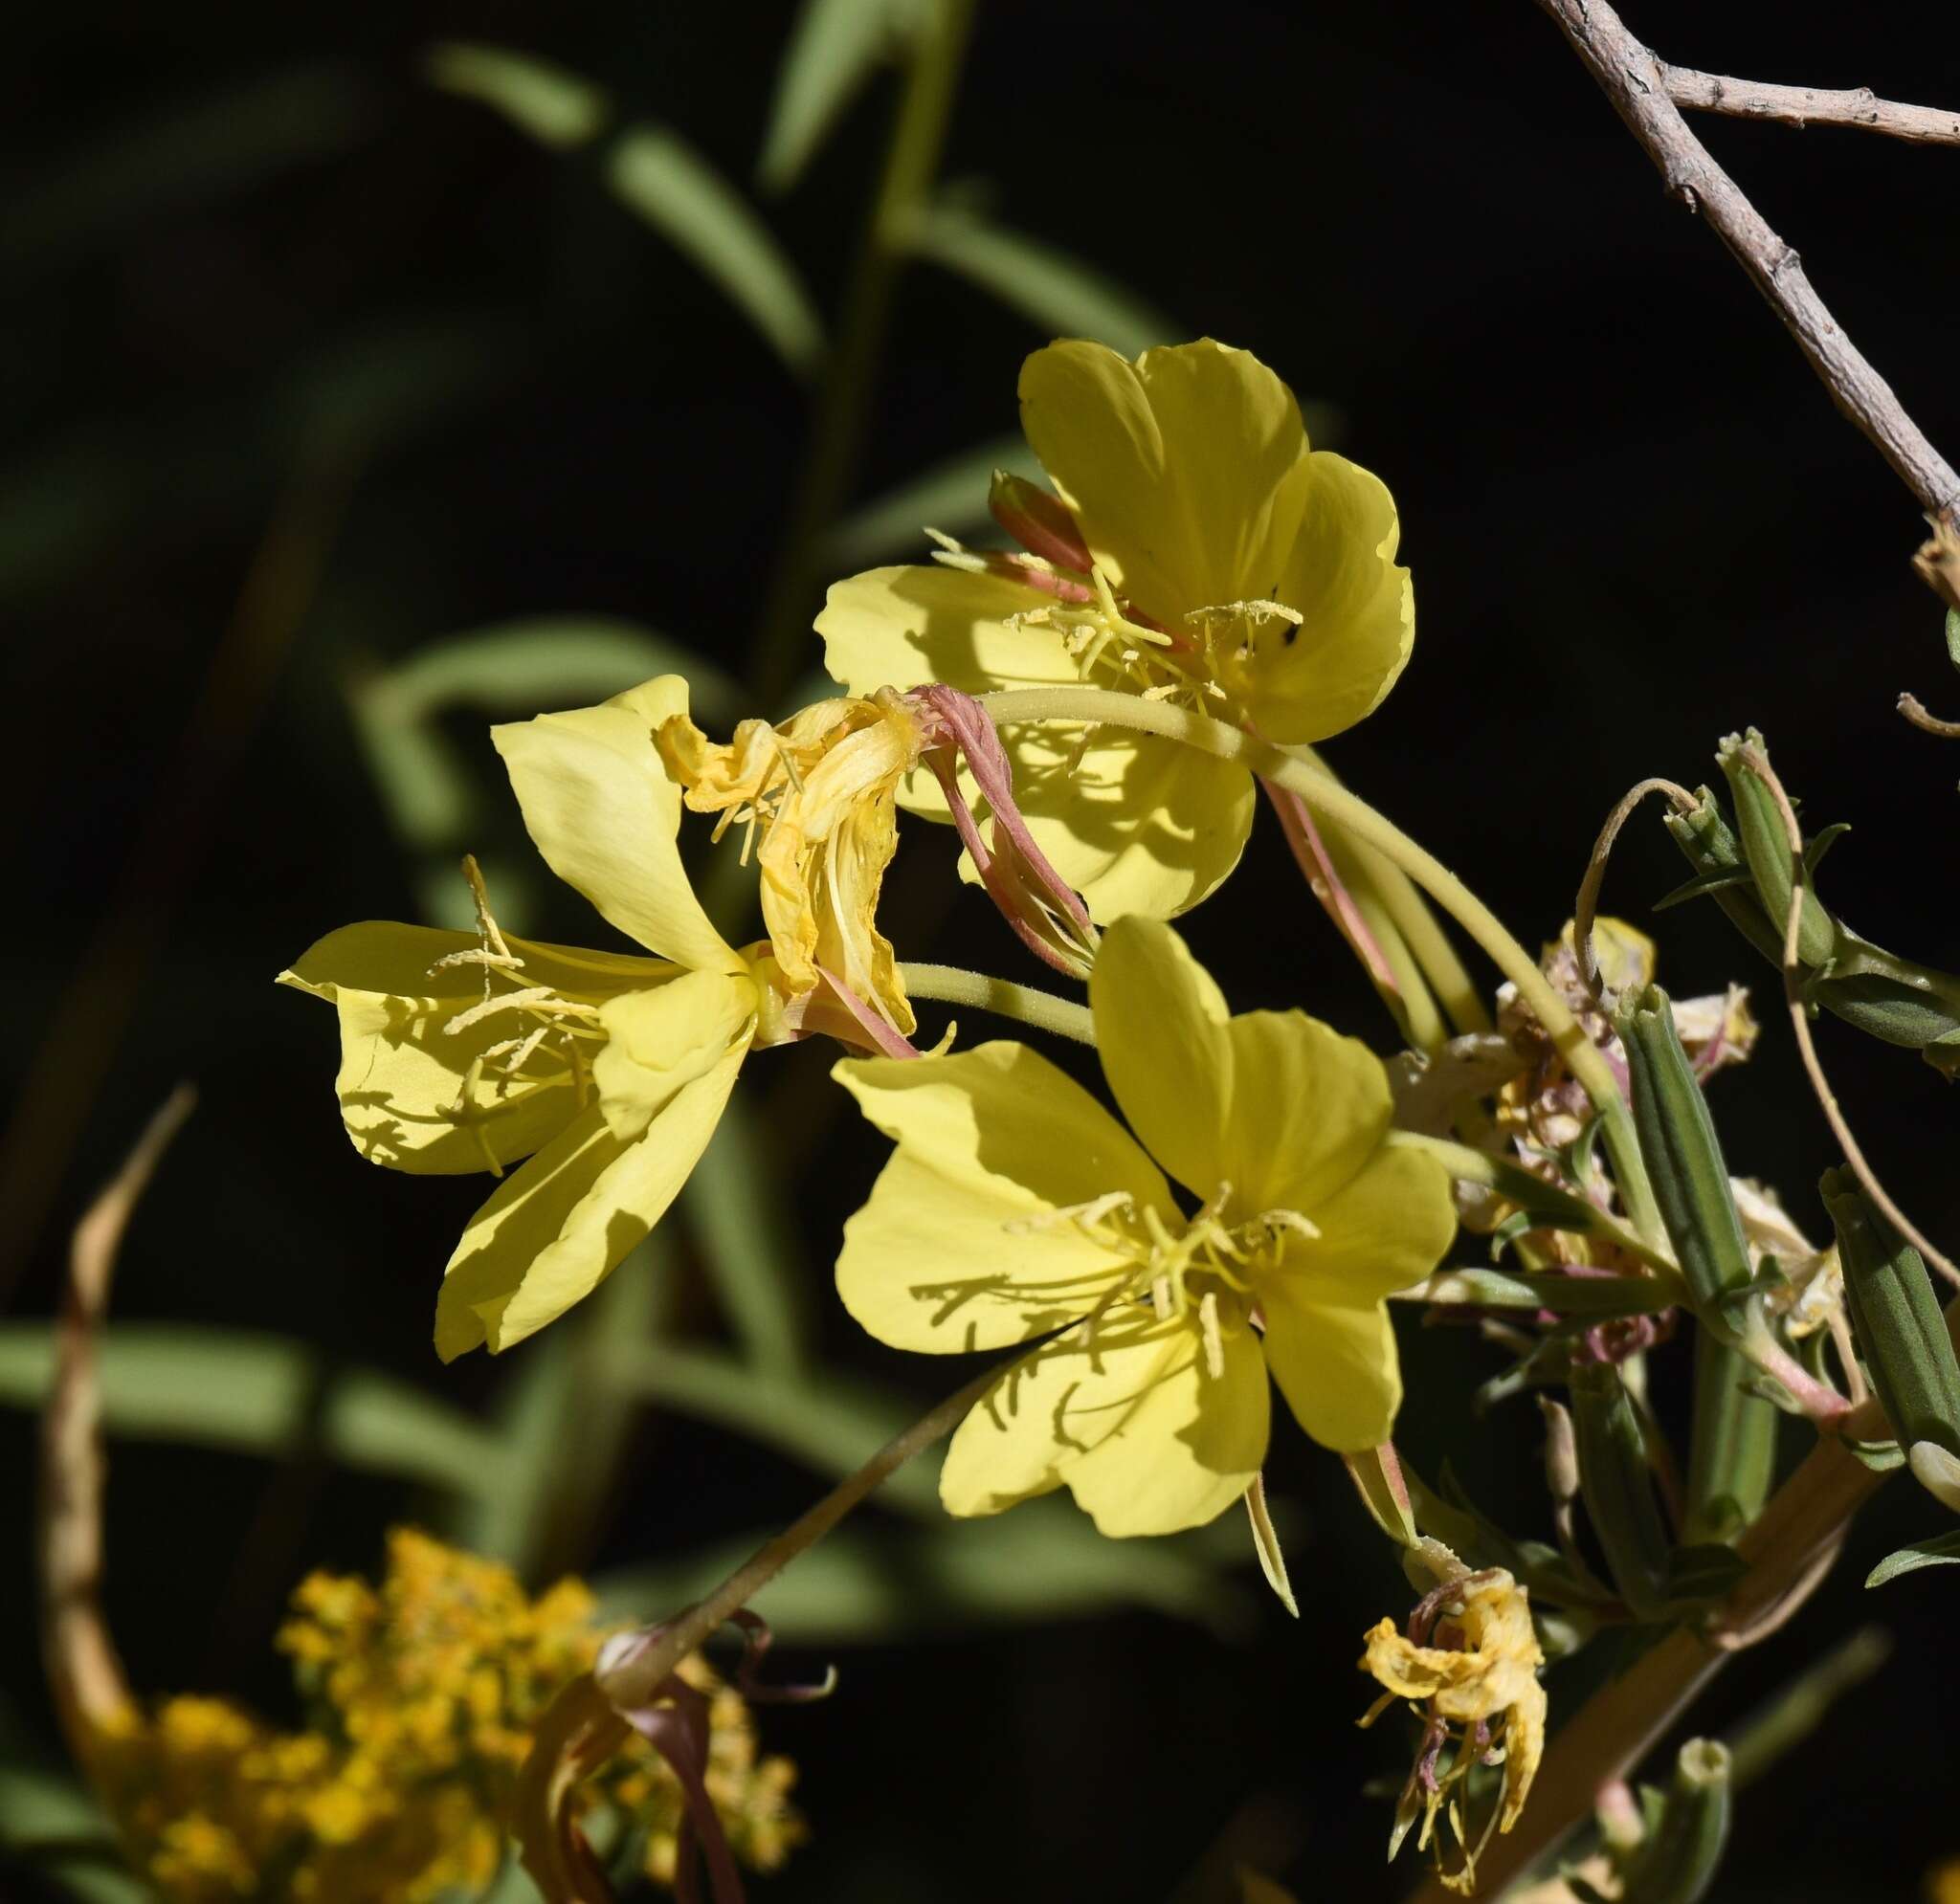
510, 1001
1213, 1336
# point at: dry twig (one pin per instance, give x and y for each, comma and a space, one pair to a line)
1636, 83
84, 1668
1808, 105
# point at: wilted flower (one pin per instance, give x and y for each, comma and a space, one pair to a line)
1468, 1662
1015, 1206
1195, 550
822, 792
420, 1695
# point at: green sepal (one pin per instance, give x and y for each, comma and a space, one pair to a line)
1677, 1862
1897, 1318
1682, 1153
1942, 1551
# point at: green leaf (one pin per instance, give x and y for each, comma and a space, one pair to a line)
1954, 637
835, 47
1565, 1295
749, 1249
656, 173
1059, 294
1942, 1551
256, 1393
557, 109
865, 1585
549, 661
950, 496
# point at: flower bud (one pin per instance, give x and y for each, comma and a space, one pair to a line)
1897, 1316
1765, 844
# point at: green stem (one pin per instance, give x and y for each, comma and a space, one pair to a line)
1043, 1011
837, 437
1106, 707
1413, 923
637, 1681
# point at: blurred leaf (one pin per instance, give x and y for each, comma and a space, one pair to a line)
135, 174
424, 782
1942, 1551
557, 109
950, 496
833, 47
548, 661
832, 1423
563, 1426
1059, 294
50, 1823
658, 175
513, 1886
255, 1393
750, 1251
868, 1585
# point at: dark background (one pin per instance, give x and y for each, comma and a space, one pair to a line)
1635, 521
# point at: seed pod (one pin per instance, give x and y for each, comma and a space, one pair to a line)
1682, 1156
1678, 1863
1898, 1319
1732, 1445
1618, 1487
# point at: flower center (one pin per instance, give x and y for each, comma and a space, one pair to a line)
1205, 1267
547, 1025
1209, 663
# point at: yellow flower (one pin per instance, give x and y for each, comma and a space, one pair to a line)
823, 789
1200, 551
607, 1071
1477, 1692
1015, 1206
424, 1691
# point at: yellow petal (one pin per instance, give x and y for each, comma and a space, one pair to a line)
1139, 824
1386, 1229
1335, 1363
660, 1039
605, 814
898, 628
987, 1138
406, 1095
1160, 1033
1359, 605
1185, 468
555, 1229
1274, 1103
1128, 1415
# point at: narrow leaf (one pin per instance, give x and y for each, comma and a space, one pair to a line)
750, 1250
1942, 1551
1265, 1540
835, 47
663, 178
557, 109
253, 1393
1059, 294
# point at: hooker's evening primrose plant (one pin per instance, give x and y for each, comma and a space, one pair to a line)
1198, 598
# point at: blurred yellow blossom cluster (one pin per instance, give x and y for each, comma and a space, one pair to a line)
420, 1695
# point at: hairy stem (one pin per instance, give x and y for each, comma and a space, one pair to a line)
1041, 1011
637, 1681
